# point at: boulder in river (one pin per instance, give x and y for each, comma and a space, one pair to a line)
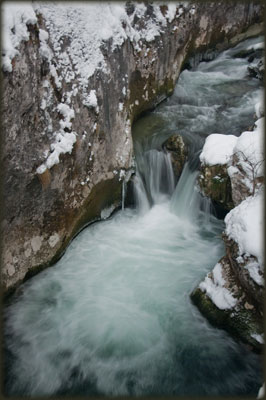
222, 300
257, 71
178, 151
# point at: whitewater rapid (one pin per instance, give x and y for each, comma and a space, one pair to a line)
113, 316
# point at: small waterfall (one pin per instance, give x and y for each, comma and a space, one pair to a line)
185, 201
207, 209
154, 181
123, 194
140, 195
132, 332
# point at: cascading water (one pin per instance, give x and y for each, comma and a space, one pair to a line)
123, 194
113, 317
154, 179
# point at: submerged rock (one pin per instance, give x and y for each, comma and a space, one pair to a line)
257, 71
250, 53
178, 151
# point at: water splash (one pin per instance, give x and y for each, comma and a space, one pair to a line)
154, 182
186, 199
113, 317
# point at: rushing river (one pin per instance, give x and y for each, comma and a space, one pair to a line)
113, 316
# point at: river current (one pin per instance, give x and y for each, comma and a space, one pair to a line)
113, 316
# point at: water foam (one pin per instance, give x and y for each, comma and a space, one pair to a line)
113, 316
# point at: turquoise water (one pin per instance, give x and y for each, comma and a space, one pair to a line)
113, 316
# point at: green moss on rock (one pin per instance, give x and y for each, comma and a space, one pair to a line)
243, 320
214, 182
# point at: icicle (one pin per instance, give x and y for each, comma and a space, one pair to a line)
123, 194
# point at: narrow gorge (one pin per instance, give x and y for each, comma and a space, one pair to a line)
126, 171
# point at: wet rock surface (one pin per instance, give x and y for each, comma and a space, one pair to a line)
230, 185
257, 71
243, 320
215, 183
178, 151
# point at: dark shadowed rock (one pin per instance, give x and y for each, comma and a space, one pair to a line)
214, 182
243, 320
178, 151
257, 71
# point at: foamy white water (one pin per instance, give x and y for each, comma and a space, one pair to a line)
113, 316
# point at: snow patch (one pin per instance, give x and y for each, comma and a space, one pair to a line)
258, 338
171, 12
67, 113
63, 144
216, 291
249, 149
15, 18
82, 30
91, 100
232, 170
217, 149
244, 224
255, 272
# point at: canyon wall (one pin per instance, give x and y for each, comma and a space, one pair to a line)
67, 142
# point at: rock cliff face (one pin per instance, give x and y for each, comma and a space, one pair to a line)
232, 295
67, 145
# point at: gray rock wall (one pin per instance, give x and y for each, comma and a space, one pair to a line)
43, 211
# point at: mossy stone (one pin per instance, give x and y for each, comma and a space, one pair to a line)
241, 323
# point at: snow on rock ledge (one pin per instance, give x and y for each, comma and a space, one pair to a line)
64, 139
232, 168
15, 18
231, 296
213, 285
221, 299
246, 169
213, 179
245, 224
218, 149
